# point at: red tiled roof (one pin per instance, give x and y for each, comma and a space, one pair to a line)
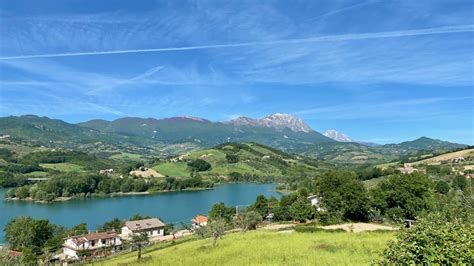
14, 254
200, 219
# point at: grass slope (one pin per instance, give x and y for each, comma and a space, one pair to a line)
63, 167
253, 159
268, 248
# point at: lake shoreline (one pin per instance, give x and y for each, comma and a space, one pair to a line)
110, 195
178, 207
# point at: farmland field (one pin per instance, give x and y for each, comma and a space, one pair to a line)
265, 248
63, 167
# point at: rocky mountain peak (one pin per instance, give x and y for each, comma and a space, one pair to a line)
337, 136
277, 121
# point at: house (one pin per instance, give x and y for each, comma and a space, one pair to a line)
153, 227
458, 159
106, 171
407, 169
96, 243
315, 202
199, 221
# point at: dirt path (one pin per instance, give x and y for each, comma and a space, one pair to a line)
359, 227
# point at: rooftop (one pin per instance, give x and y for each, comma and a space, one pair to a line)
144, 224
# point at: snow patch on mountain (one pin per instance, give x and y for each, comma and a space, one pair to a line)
337, 136
277, 121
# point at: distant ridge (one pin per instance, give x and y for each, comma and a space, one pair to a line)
177, 134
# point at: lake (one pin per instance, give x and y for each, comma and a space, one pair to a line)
175, 207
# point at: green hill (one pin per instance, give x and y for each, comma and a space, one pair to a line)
164, 137
240, 161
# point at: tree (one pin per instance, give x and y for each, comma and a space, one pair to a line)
301, 210
247, 220
115, 224
22, 192
344, 193
219, 210
404, 195
261, 205
84, 253
216, 229
459, 182
138, 241
432, 240
26, 232
79, 229
442, 187
199, 165
232, 158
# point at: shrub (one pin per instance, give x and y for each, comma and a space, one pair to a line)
231, 158
432, 240
199, 165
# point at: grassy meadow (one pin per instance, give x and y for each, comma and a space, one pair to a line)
267, 248
63, 167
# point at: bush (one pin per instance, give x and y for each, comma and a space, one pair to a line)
199, 165
432, 240
442, 187
247, 220
232, 158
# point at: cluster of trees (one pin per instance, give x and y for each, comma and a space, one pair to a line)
37, 238
246, 177
85, 185
370, 172
199, 165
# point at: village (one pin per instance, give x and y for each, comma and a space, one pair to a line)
101, 244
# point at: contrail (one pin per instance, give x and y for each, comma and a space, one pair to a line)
327, 38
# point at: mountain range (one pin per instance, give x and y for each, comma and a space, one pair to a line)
179, 134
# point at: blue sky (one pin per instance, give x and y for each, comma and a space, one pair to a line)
381, 71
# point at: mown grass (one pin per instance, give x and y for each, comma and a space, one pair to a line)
37, 174
179, 169
269, 248
126, 155
63, 167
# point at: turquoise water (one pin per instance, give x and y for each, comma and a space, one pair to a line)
173, 207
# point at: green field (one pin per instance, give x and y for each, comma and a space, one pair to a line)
63, 167
267, 248
126, 156
179, 169
37, 174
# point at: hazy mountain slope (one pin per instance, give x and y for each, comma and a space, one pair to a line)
423, 143
187, 129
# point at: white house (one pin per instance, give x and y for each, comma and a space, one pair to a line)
95, 242
315, 202
152, 227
